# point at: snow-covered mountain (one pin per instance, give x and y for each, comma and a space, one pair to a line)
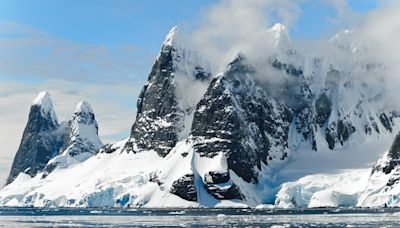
376, 187
47, 144
382, 189
165, 105
229, 139
40, 141
80, 139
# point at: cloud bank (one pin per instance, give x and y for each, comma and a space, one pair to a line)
230, 27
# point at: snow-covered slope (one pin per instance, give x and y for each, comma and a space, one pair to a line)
112, 179
231, 139
376, 187
80, 139
383, 189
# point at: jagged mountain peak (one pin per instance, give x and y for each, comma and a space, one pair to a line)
84, 125
176, 54
39, 142
347, 40
80, 139
211, 137
42, 97
43, 100
280, 36
83, 107
240, 64
341, 35
238, 58
172, 37
278, 29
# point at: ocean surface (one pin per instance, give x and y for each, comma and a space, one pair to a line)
100, 217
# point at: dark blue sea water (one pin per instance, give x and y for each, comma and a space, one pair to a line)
100, 217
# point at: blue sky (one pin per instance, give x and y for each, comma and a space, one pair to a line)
102, 51
141, 22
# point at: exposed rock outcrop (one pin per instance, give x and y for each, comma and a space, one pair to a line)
41, 140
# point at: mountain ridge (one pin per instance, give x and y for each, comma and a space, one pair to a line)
216, 140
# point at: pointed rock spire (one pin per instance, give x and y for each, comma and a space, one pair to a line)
172, 37
39, 142
45, 104
83, 107
83, 134
160, 114
80, 139
240, 64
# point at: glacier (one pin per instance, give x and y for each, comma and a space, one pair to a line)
324, 190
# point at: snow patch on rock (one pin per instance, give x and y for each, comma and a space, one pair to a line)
46, 105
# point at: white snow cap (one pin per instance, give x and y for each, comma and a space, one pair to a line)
280, 36
83, 107
278, 30
341, 36
43, 98
171, 38
44, 101
347, 40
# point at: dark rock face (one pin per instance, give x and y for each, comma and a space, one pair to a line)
305, 125
108, 149
220, 187
394, 152
159, 118
247, 126
38, 145
185, 188
323, 108
394, 180
288, 68
158, 115
392, 160
339, 132
216, 177
387, 119
44, 138
229, 192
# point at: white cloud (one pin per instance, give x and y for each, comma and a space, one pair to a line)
345, 15
379, 33
239, 26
